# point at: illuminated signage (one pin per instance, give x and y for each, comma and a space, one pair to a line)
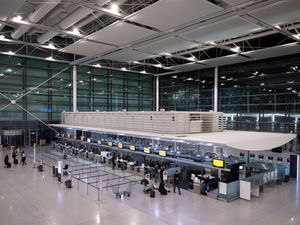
120, 145
132, 147
109, 144
218, 163
147, 150
162, 153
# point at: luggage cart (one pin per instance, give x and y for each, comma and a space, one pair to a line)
123, 189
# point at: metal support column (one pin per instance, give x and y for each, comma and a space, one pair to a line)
216, 84
74, 79
157, 93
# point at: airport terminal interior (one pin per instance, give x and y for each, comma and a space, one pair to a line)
149, 112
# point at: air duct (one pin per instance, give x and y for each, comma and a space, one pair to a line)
70, 20
35, 17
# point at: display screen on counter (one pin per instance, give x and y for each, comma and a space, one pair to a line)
242, 156
132, 147
279, 159
218, 163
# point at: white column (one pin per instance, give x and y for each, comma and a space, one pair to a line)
298, 167
216, 84
157, 93
74, 79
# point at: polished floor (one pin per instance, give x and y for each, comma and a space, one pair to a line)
29, 197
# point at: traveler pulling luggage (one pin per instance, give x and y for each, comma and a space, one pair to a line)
9, 165
16, 161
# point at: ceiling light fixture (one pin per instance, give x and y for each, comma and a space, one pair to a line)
124, 69
236, 49
192, 58
50, 46
166, 54
278, 27
50, 58
114, 8
211, 43
297, 36
2, 74
97, 65
17, 19
158, 65
143, 72
3, 38
10, 53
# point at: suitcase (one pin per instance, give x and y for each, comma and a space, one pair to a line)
9, 165
152, 194
68, 184
16, 161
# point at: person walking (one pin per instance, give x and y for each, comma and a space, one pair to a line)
23, 155
176, 181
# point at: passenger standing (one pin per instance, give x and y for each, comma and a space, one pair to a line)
23, 155
176, 181
14, 155
113, 161
6, 160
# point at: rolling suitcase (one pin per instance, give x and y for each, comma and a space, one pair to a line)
9, 165
68, 184
152, 194
40, 168
16, 161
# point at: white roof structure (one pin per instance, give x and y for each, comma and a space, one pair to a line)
241, 140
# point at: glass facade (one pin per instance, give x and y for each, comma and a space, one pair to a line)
187, 92
261, 95
43, 89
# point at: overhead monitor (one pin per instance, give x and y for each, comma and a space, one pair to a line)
252, 155
270, 158
218, 163
109, 144
132, 147
162, 153
147, 150
88, 140
261, 157
120, 145
99, 142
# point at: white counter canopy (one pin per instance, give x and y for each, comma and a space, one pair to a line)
241, 140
